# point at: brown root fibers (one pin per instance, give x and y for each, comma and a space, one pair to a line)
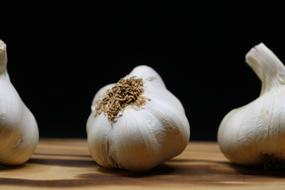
127, 91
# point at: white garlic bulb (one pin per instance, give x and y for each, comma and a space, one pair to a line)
255, 133
136, 123
18, 128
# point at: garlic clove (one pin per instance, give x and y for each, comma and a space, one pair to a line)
96, 98
148, 74
99, 133
150, 90
18, 127
99, 95
142, 135
132, 145
254, 134
151, 76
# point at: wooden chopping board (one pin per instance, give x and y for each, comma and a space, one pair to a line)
66, 164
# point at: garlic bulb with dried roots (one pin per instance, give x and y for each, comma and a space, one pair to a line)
255, 133
18, 128
136, 123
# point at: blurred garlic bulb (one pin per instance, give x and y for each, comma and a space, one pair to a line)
18, 127
255, 133
136, 123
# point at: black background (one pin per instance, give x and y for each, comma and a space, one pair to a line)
61, 54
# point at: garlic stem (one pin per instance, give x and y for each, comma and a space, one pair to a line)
3, 57
3, 62
267, 66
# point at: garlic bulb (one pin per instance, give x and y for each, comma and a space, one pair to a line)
136, 123
18, 127
255, 133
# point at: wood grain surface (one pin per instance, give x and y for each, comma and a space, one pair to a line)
66, 164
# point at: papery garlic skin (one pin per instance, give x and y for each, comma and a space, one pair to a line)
248, 134
140, 138
18, 128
